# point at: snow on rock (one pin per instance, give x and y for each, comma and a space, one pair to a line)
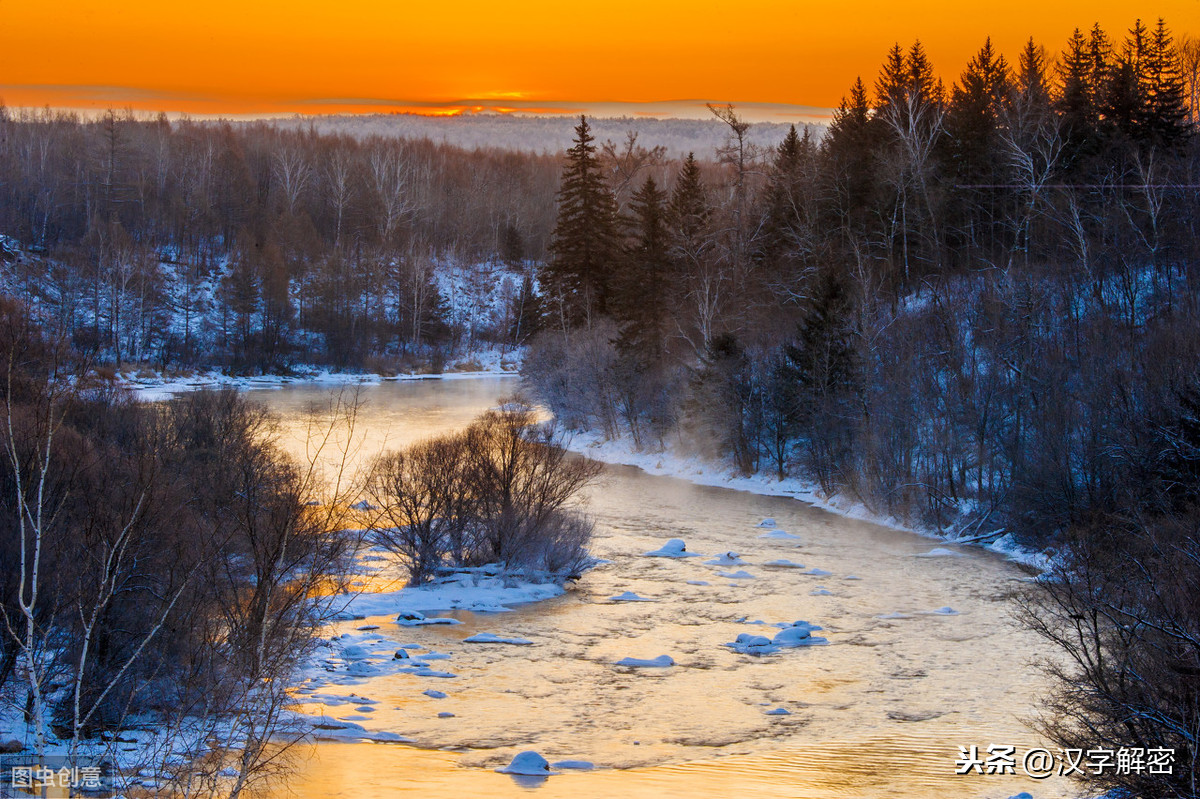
726, 559
784, 563
630, 596
660, 662
528, 763
489, 638
779, 711
740, 574
942, 611
780, 535
766, 523
432, 694
363, 505
939, 552
401, 654
675, 548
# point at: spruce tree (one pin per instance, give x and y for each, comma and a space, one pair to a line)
640, 299
689, 213
785, 198
850, 145
1166, 113
577, 280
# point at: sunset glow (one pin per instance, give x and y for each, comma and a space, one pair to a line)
225, 57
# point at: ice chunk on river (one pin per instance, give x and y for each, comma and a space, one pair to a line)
784, 563
489, 638
726, 559
630, 596
528, 763
675, 548
780, 535
740, 574
414, 618
766, 523
939, 552
660, 662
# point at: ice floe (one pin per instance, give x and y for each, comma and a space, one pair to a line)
697, 582
675, 548
792, 635
578, 765
629, 596
414, 618
779, 711
820, 591
817, 573
785, 563
489, 638
432, 694
660, 662
726, 559
740, 574
528, 763
780, 535
766, 523
939, 552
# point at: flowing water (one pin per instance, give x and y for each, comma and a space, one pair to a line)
879, 712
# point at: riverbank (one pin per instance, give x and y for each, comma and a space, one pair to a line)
153, 386
700, 471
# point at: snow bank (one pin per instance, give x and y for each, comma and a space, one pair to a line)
478, 592
701, 471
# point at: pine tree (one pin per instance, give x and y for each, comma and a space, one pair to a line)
1166, 113
850, 145
689, 212
577, 280
786, 196
640, 299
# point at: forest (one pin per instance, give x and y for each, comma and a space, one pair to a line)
972, 307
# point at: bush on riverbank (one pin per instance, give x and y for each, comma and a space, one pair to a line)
164, 561
497, 492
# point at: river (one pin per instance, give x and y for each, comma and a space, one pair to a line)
879, 712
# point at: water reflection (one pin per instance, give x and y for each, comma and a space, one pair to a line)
880, 712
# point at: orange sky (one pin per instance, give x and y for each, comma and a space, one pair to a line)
254, 57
